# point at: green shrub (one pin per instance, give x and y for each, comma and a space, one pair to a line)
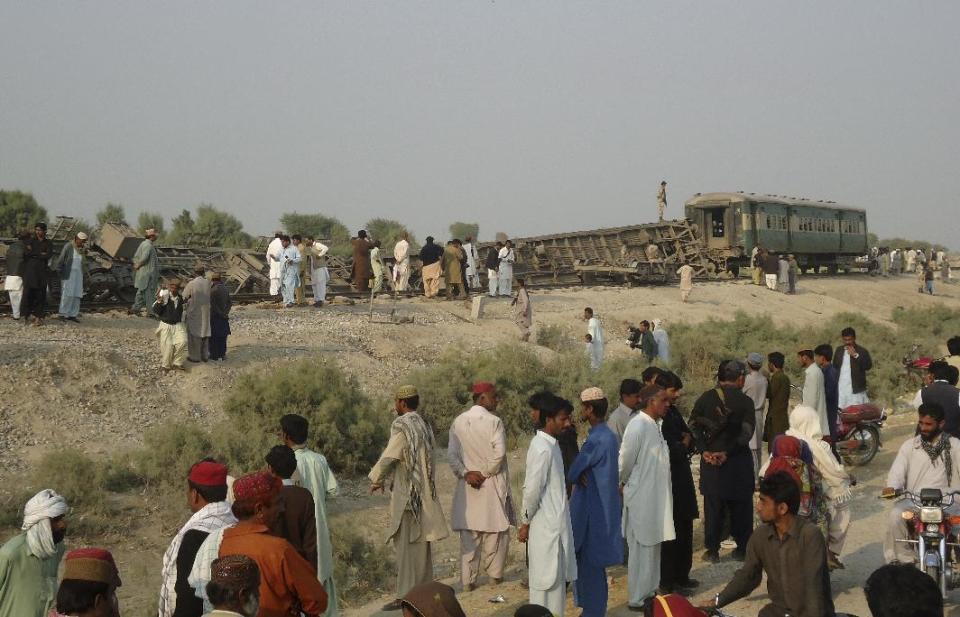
344, 424
362, 567
169, 451
557, 338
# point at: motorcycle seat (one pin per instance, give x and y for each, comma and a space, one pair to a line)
861, 413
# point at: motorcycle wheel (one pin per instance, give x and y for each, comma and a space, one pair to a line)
934, 573
868, 442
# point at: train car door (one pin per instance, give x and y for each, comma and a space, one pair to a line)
717, 228
840, 234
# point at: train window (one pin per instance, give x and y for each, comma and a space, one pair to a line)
716, 221
769, 219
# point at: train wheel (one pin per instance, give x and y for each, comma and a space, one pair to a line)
126, 294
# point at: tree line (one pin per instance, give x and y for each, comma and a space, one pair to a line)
210, 226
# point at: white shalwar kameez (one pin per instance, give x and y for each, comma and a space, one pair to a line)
550, 542
595, 330
71, 290
647, 504
401, 268
13, 285
319, 274
274, 249
290, 273
473, 275
505, 275
846, 396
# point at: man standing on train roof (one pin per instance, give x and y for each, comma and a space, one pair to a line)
662, 199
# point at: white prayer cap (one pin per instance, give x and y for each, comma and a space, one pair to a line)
591, 394
81, 236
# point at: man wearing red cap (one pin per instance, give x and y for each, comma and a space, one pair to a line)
206, 498
89, 585
287, 580
482, 505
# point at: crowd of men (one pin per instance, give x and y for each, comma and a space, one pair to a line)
260, 545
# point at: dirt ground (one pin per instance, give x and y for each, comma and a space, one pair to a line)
95, 386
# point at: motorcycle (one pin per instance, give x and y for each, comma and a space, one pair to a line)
858, 437
934, 534
914, 363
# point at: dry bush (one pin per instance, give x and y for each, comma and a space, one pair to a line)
557, 338
363, 568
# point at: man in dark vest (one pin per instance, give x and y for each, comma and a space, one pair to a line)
852, 363
37, 252
942, 393
722, 422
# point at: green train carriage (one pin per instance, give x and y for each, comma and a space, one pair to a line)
819, 233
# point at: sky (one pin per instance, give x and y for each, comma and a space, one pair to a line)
529, 117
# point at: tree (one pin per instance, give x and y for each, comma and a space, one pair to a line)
462, 230
219, 228
111, 213
19, 210
151, 220
328, 229
182, 228
388, 232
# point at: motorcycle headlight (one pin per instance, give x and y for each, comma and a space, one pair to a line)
931, 515
933, 528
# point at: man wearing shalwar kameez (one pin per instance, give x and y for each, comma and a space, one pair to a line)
473, 261
545, 524
416, 518
595, 507
171, 331
146, 276
505, 273
401, 267
29, 561
482, 505
276, 266
377, 266
196, 314
70, 266
361, 270
644, 468
853, 362
315, 475
523, 312
220, 305
595, 330
290, 271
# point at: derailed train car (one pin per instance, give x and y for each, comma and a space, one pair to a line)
821, 234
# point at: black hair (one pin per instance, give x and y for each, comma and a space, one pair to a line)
806, 353
901, 590
362, 233
775, 358
824, 350
210, 494
310, 238
953, 375
630, 386
645, 323
781, 488
669, 379
76, 596
429, 239
598, 407
296, 237
588, 310
953, 345
542, 401
931, 410
285, 238
412, 402
296, 427
550, 410
650, 373
848, 331
939, 369
731, 370
565, 404
282, 461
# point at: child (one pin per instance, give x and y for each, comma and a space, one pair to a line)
588, 348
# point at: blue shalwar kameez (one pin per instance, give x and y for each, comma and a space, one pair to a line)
595, 511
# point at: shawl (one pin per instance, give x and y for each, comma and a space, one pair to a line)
200, 574
938, 450
805, 425
208, 519
419, 440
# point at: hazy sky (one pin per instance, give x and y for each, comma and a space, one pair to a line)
528, 117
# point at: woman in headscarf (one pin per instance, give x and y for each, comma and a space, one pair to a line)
792, 456
834, 480
663, 341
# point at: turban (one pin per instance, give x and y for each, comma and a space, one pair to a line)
237, 571
42, 507
81, 236
433, 600
483, 386
591, 394
91, 564
404, 392
254, 488
208, 473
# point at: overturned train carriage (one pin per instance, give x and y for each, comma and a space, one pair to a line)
821, 234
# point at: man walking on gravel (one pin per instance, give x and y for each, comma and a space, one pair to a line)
146, 276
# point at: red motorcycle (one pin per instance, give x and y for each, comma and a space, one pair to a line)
914, 363
858, 438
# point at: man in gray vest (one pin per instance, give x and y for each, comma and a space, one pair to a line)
939, 390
